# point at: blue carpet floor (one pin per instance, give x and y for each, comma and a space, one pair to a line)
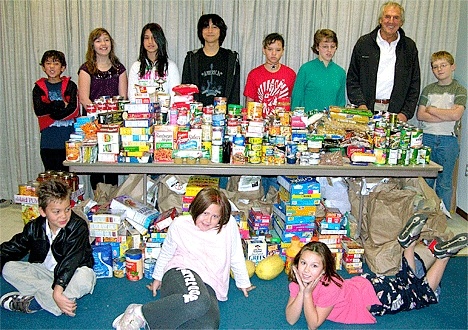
264, 309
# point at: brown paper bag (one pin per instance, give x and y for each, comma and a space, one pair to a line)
167, 198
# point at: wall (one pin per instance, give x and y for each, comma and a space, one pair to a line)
461, 74
28, 28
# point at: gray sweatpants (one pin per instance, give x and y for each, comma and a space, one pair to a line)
32, 279
185, 303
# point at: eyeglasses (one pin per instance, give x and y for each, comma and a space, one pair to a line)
441, 66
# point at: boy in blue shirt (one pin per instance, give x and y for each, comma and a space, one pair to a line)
55, 101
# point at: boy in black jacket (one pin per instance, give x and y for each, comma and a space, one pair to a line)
59, 269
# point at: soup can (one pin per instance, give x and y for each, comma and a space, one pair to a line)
118, 267
380, 156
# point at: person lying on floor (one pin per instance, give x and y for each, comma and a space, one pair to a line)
192, 270
59, 269
317, 290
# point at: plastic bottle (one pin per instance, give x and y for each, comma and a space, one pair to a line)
291, 252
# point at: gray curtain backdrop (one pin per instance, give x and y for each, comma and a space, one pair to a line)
28, 28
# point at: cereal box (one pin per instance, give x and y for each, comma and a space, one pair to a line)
163, 143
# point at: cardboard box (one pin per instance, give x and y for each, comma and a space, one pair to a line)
164, 137
299, 185
198, 182
255, 249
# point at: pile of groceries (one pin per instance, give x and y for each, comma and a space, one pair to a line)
158, 129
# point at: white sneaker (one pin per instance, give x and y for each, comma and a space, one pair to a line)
130, 320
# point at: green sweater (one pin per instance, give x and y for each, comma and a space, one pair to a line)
318, 86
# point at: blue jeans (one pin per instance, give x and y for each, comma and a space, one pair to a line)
444, 151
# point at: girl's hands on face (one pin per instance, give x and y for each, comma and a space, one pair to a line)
306, 287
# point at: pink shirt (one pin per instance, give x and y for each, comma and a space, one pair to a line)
349, 302
209, 253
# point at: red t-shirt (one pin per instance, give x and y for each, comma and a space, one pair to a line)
349, 302
267, 87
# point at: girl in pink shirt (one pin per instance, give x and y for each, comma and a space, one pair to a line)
192, 271
322, 294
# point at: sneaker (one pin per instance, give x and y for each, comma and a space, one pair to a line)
14, 301
412, 230
451, 247
129, 320
5, 202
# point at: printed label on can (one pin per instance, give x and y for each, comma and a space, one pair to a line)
216, 153
118, 267
149, 267
416, 138
380, 156
392, 158
134, 264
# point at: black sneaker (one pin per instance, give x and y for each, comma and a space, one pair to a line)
14, 301
412, 230
451, 247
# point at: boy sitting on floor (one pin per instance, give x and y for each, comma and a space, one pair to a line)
59, 269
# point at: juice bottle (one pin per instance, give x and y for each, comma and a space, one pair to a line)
291, 252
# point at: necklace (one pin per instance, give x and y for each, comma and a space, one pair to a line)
273, 66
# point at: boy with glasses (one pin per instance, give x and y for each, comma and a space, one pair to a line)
320, 82
441, 107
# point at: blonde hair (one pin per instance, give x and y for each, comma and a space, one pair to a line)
442, 55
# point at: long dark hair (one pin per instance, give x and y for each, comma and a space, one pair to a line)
161, 57
205, 198
328, 262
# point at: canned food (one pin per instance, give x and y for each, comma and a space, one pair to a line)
380, 138
149, 267
380, 156
268, 155
73, 151
393, 119
217, 153
118, 267
404, 157
41, 177
206, 132
22, 189
392, 158
416, 138
414, 156
217, 135
394, 139
254, 110
134, 264
424, 155
405, 137
207, 116
234, 110
427, 157
239, 140
220, 105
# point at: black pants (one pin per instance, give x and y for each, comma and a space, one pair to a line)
53, 159
185, 303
